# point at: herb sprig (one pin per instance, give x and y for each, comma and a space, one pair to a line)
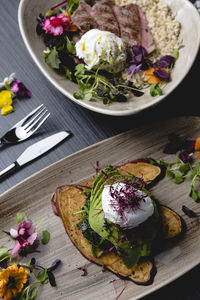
184, 167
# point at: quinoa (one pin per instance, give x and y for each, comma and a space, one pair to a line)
165, 30
162, 23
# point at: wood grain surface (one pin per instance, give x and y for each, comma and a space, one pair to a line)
34, 197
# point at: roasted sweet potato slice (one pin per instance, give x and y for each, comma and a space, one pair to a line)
147, 169
172, 225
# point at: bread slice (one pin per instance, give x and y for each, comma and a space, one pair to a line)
70, 199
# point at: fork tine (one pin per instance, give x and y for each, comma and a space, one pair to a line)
28, 116
34, 117
41, 118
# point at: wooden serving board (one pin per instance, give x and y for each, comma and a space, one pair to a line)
33, 196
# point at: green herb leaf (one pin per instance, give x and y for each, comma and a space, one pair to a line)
191, 174
175, 54
194, 194
20, 216
42, 276
178, 178
33, 294
70, 46
52, 59
155, 90
3, 252
184, 168
45, 237
170, 174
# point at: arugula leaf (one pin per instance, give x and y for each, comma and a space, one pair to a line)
52, 58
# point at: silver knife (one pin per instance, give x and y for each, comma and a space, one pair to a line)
35, 150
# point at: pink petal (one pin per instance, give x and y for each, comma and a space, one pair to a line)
32, 238
21, 231
57, 31
16, 248
31, 230
13, 233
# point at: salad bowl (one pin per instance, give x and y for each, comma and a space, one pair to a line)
185, 13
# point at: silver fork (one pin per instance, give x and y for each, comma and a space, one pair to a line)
26, 127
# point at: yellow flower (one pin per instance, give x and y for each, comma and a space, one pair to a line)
5, 102
12, 280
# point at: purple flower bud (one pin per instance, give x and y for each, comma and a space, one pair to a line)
164, 61
19, 89
162, 74
184, 156
139, 50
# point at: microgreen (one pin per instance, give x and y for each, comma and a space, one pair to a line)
155, 90
184, 167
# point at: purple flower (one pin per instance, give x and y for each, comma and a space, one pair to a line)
18, 88
140, 54
161, 74
165, 61
134, 69
175, 144
184, 156
25, 235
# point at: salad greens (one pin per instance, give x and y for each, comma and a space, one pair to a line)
104, 236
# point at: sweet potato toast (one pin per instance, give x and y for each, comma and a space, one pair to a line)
70, 199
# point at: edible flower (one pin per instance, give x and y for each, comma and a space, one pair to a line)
56, 25
19, 89
150, 76
6, 102
10, 88
12, 280
25, 235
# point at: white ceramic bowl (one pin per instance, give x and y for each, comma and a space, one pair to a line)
187, 15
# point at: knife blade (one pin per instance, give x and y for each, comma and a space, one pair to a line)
34, 151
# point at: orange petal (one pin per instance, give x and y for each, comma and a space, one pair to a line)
197, 144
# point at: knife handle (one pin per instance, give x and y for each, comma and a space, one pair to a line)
9, 169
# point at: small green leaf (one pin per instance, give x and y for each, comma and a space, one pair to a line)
70, 46
20, 216
194, 194
42, 276
3, 252
68, 74
155, 90
45, 237
178, 178
175, 54
52, 59
170, 174
197, 167
33, 294
184, 168
191, 174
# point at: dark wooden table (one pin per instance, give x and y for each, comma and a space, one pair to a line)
87, 127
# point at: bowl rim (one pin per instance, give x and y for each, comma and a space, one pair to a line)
127, 112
